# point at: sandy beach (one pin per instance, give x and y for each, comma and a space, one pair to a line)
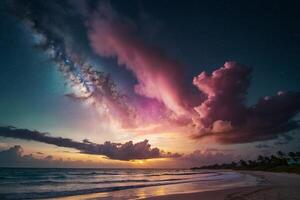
277, 186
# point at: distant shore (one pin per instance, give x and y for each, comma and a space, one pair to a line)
280, 186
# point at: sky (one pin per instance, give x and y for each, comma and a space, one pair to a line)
94, 83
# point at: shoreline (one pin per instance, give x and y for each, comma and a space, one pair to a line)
279, 186
272, 186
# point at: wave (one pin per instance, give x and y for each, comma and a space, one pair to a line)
39, 195
185, 173
92, 173
39, 183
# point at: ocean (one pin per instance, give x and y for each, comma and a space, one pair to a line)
41, 183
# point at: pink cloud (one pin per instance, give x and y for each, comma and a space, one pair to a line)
226, 90
159, 76
225, 117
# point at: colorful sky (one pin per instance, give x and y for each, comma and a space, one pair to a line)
89, 83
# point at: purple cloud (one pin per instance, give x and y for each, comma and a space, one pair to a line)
224, 115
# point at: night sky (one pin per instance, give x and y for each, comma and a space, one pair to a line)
199, 81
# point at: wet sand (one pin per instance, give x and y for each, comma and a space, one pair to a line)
277, 186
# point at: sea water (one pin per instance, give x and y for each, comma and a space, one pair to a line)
39, 183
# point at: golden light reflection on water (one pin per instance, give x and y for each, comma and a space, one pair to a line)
102, 195
143, 193
159, 191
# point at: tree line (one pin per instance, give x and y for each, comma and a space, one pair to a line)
280, 162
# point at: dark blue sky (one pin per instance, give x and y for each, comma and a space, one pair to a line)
201, 34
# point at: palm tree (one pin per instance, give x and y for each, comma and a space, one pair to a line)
243, 163
282, 158
251, 163
274, 161
298, 155
261, 160
233, 165
267, 160
280, 154
293, 156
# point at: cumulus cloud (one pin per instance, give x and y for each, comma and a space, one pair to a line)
15, 157
208, 157
225, 116
226, 91
159, 76
117, 151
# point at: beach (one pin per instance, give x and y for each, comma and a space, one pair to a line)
278, 186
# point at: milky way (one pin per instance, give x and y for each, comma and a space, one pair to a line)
89, 85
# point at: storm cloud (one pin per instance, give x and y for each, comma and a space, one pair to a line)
225, 116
